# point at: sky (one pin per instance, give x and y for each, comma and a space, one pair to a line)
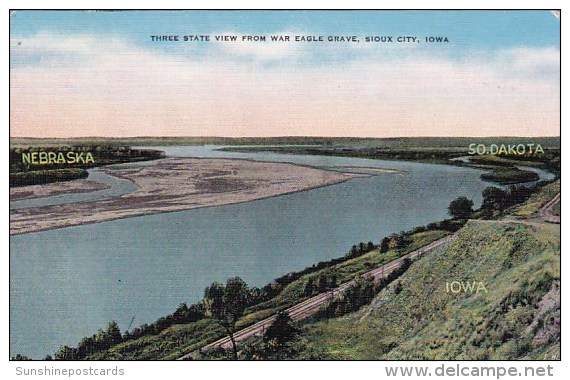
81, 73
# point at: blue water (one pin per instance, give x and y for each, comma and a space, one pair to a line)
117, 187
68, 283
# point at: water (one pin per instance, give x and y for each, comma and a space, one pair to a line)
117, 187
68, 283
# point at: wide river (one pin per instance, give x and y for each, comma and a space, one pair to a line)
67, 283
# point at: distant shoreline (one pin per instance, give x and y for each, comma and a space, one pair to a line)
387, 142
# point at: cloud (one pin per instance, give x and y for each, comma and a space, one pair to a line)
110, 87
544, 62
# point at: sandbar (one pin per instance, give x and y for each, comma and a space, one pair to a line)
55, 188
176, 184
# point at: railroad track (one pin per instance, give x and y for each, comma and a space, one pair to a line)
309, 307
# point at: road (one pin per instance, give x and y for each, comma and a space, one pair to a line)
547, 214
309, 307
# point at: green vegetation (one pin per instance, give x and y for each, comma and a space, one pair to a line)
414, 317
226, 305
421, 154
549, 160
460, 208
556, 208
438, 150
359, 294
498, 202
190, 328
536, 201
507, 306
507, 176
89, 345
39, 177
27, 171
502, 168
281, 330
518, 316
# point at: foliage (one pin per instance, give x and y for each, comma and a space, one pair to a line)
536, 200
29, 174
517, 317
40, 177
512, 175
226, 304
104, 339
281, 330
20, 357
460, 208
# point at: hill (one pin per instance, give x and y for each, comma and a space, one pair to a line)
515, 316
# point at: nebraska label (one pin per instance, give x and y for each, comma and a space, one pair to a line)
51, 158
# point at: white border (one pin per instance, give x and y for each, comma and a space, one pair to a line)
245, 370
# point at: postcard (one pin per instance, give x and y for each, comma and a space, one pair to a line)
285, 185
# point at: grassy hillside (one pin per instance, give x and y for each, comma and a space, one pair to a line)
518, 316
536, 201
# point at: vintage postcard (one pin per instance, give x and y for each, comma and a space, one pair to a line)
285, 185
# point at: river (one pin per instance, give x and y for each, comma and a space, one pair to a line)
67, 283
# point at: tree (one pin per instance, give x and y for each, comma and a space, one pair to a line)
385, 245
353, 251
494, 198
460, 208
281, 330
309, 287
20, 357
226, 305
113, 334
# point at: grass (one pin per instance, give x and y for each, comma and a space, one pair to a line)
491, 161
518, 265
536, 201
508, 176
556, 208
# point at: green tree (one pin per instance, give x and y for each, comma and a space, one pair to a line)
226, 305
353, 251
66, 353
494, 198
460, 208
20, 357
309, 287
113, 334
281, 330
385, 245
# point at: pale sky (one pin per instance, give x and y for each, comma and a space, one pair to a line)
79, 74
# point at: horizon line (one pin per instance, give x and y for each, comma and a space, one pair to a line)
274, 137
